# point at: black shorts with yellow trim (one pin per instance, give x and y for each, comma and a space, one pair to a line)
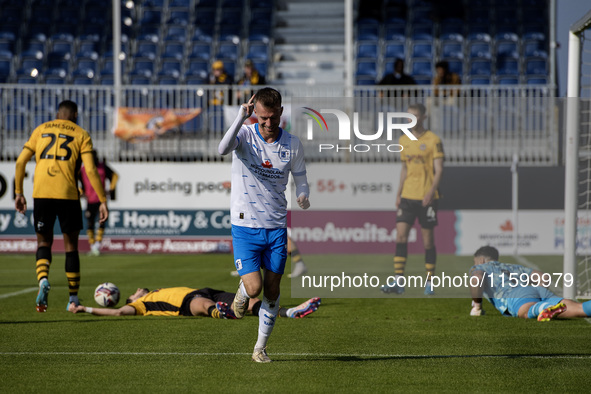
210, 294
68, 212
410, 210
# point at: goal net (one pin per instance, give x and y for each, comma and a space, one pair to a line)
577, 258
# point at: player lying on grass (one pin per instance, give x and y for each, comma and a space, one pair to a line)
184, 301
508, 287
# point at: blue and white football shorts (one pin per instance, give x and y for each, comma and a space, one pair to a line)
256, 248
523, 295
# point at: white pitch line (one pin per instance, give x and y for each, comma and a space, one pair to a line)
29, 290
327, 355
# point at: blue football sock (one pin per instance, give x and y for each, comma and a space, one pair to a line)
537, 308
587, 308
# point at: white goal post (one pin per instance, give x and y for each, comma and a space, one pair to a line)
572, 150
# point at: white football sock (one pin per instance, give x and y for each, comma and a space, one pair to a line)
243, 290
267, 316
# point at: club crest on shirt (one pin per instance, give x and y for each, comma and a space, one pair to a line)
423, 147
284, 153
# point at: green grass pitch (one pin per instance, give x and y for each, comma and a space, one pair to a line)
349, 345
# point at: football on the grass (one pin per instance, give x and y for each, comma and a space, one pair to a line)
107, 294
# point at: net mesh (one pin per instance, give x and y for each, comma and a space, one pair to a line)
584, 186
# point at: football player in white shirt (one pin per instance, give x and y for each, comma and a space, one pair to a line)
263, 155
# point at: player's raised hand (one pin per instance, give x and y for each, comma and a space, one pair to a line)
20, 204
303, 202
248, 108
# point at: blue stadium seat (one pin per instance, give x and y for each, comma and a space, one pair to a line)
107, 80
55, 80
258, 37
370, 36
507, 33
139, 80
63, 47
537, 81
534, 32
196, 80
107, 67
507, 66
6, 47
481, 67
479, 50
455, 66
228, 50
394, 50
147, 49
536, 66
507, 49
88, 49
143, 66
422, 33
28, 64
229, 66
151, 17
508, 81
58, 63
258, 51
171, 67
167, 80
535, 48
422, 68
5, 67
200, 50
479, 81
179, 17
9, 31
367, 69
365, 81
26, 80
478, 34
369, 51
261, 67
422, 50
197, 67
395, 32
92, 32
452, 50
173, 50
83, 80
176, 33
86, 66
179, 3
149, 33
451, 27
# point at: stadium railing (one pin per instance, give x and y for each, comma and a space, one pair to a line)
479, 125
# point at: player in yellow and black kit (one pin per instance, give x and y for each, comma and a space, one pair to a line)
422, 166
59, 147
184, 301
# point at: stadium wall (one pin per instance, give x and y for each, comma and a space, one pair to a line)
162, 208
